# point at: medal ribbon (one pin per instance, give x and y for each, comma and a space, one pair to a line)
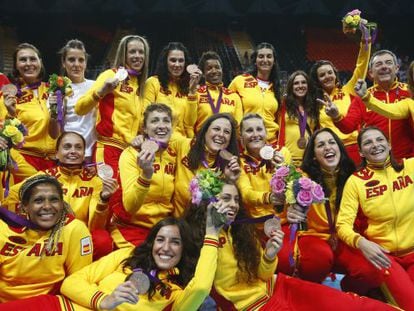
215, 108
302, 123
15, 220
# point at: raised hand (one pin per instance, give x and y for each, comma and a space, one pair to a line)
110, 185
10, 102
145, 161
361, 88
232, 170
330, 108
109, 85
274, 244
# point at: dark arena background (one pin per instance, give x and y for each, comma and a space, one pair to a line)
302, 31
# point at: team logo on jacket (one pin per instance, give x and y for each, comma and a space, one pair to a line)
372, 183
86, 246
17, 239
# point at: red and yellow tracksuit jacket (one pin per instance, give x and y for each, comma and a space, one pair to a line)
25, 273
177, 101
385, 199
89, 286
230, 103
242, 295
254, 183
343, 96
118, 113
81, 190
399, 132
255, 100
146, 201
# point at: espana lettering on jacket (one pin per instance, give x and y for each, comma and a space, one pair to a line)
400, 183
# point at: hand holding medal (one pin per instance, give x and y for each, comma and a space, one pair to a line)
9, 93
273, 230
9, 90
121, 74
271, 225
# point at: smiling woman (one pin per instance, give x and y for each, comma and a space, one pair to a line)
216, 138
38, 252
172, 84
74, 60
119, 100
167, 256
29, 105
147, 180
259, 89
212, 97
382, 190
319, 251
298, 116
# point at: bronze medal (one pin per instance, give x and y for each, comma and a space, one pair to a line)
150, 145
225, 154
302, 143
9, 90
333, 241
192, 68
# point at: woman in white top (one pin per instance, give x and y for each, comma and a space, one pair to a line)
74, 61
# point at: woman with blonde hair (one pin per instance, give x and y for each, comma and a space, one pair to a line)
118, 96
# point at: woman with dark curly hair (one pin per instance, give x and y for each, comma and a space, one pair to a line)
168, 257
298, 115
318, 250
216, 137
325, 79
245, 279
172, 84
259, 88
213, 97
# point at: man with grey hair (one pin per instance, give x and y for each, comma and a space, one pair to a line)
383, 68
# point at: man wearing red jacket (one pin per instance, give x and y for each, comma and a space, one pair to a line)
383, 68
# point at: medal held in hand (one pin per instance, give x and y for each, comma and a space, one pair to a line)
105, 171
225, 154
140, 281
9, 90
121, 74
150, 145
266, 153
192, 68
271, 225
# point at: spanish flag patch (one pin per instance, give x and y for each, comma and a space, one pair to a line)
86, 246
